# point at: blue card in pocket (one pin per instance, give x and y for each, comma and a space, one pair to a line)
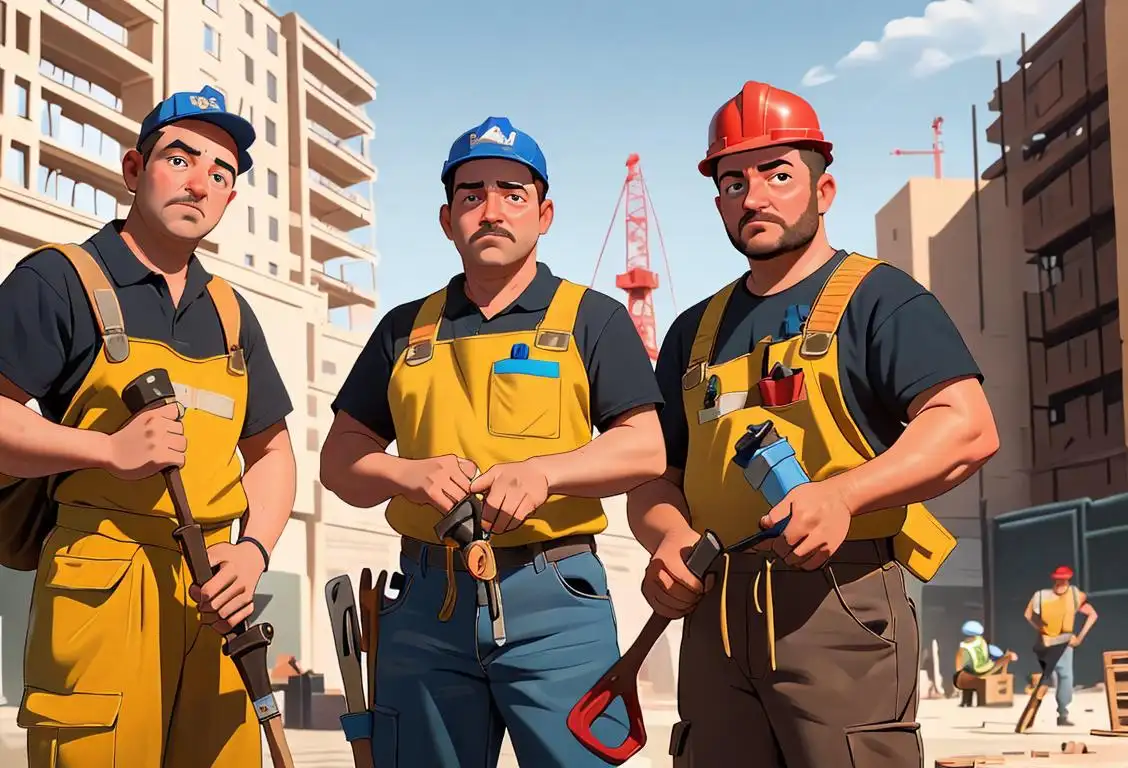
519, 362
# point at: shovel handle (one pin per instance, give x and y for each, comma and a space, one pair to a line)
621, 680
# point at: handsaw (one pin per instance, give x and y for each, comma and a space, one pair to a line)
371, 602
346, 642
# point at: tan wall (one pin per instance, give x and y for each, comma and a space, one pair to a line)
913, 215
1116, 20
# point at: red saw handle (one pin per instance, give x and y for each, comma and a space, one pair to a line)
621, 680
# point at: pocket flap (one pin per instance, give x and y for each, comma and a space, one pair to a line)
878, 745
548, 369
70, 572
43, 709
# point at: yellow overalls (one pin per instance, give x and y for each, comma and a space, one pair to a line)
118, 670
471, 397
818, 425
1056, 612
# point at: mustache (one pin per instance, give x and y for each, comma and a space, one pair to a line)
491, 229
752, 216
187, 200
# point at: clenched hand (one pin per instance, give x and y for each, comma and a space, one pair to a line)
513, 492
441, 482
228, 596
151, 441
820, 520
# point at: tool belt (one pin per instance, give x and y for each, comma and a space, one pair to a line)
553, 550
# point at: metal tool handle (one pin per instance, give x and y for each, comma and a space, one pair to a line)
621, 680
246, 646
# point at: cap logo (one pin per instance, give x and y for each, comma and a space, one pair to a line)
203, 102
494, 136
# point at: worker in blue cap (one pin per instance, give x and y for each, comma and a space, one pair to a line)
977, 658
121, 667
495, 385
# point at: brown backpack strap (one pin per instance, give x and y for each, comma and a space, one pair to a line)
103, 298
230, 317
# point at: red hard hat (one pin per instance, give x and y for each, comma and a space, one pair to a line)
763, 116
1062, 572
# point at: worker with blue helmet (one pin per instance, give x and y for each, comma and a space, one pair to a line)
495, 386
977, 658
139, 678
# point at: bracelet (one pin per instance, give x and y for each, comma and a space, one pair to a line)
261, 548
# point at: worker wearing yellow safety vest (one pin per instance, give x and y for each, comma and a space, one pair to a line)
977, 658
121, 668
805, 650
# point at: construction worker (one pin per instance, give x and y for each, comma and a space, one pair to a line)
977, 658
1052, 613
120, 667
807, 652
494, 385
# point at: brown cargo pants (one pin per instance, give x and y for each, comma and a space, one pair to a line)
843, 693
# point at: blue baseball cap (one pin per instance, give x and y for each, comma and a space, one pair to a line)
209, 106
972, 628
496, 137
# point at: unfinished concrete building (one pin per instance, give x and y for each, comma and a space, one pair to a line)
1054, 134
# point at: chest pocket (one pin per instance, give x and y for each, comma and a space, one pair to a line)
524, 396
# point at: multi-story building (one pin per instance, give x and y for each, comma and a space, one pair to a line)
77, 78
1056, 164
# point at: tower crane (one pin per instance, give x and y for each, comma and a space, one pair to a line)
638, 280
936, 151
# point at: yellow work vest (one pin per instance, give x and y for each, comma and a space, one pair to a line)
980, 654
213, 392
473, 398
819, 427
1056, 612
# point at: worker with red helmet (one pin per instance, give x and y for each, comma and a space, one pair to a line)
806, 646
1052, 612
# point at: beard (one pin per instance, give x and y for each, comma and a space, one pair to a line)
795, 236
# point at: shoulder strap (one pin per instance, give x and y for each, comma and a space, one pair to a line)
559, 321
102, 297
421, 343
706, 337
230, 317
830, 305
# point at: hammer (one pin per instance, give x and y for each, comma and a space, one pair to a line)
245, 645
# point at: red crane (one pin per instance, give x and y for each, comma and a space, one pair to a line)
936, 151
639, 281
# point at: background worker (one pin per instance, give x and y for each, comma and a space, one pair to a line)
119, 671
977, 658
1052, 612
494, 384
807, 653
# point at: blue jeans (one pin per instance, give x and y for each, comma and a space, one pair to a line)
1063, 682
446, 693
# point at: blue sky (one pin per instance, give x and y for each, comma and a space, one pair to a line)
595, 80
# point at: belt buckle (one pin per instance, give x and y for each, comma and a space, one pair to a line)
480, 560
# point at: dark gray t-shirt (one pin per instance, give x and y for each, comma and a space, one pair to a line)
895, 341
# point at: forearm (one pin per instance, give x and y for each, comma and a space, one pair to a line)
1090, 620
655, 509
616, 461
32, 446
934, 454
271, 486
360, 473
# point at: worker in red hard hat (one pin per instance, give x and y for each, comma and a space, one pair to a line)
809, 647
1052, 612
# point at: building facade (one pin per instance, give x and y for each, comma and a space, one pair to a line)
77, 79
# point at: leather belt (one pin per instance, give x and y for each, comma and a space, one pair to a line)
507, 557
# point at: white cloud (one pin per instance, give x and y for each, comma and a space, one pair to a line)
817, 76
951, 31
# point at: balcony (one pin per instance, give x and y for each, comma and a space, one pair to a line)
81, 151
84, 108
336, 206
72, 43
328, 64
340, 293
330, 155
326, 107
128, 13
328, 242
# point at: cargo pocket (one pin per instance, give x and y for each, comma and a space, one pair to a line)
385, 737
679, 745
70, 730
885, 744
524, 398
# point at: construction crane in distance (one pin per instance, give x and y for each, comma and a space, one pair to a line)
639, 281
936, 151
